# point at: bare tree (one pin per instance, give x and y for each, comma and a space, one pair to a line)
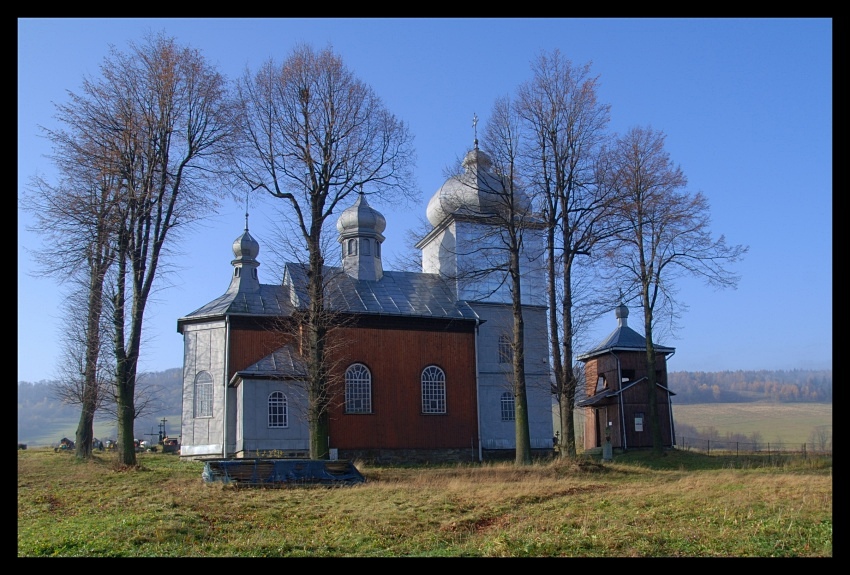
663, 233
510, 219
491, 261
314, 134
76, 221
566, 125
155, 122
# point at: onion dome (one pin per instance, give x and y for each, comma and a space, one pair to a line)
245, 247
360, 219
476, 192
245, 264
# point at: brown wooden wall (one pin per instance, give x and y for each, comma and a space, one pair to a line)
634, 400
249, 343
396, 358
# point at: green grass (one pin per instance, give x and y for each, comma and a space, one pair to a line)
788, 423
638, 505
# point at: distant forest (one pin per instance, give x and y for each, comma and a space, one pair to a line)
792, 386
39, 411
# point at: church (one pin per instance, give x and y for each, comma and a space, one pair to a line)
422, 360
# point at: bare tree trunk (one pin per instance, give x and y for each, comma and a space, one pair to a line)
652, 393
523, 436
318, 384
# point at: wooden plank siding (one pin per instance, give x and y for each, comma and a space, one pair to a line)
250, 343
395, 357
634, 400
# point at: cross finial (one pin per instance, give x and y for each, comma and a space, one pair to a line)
246, 211
475, 126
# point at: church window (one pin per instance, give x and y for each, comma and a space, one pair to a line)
600, 383
433, 390
203, 394
278, 410
506, 352
377, 249
366, 250
352, 247
508, 407
358, 389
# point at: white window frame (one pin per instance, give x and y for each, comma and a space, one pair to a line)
508, 406
278, 410
204, 394
506, 352
358, 389
433, 390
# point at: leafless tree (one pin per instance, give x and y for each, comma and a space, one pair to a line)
488, 192
663, 233
566, 125
76, 220
511, 219
155, 123
314, 135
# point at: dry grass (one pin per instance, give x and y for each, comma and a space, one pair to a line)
683, 504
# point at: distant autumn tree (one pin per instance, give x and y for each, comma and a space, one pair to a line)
151, 129
314, 136
663, 232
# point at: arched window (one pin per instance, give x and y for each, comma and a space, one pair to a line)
506, 352
278, 411
352, 247
508, 407
203, 394
377, 249
358, 389
433, 390
366, 249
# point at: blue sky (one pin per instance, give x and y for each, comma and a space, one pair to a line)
746, 105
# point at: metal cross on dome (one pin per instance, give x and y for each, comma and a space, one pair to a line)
475, 124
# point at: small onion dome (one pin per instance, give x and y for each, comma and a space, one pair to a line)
245, 247
621, 312
361, 218
476, 192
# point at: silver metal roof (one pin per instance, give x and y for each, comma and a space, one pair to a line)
410, 294
623, 338
281, 363
270, 300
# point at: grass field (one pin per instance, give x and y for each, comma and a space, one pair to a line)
682, 504
789, 423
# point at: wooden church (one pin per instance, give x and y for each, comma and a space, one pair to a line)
616, 396
422, 360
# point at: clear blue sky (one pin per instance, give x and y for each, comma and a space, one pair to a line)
746, 105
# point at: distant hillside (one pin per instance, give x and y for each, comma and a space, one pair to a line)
44, 420
792, 386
